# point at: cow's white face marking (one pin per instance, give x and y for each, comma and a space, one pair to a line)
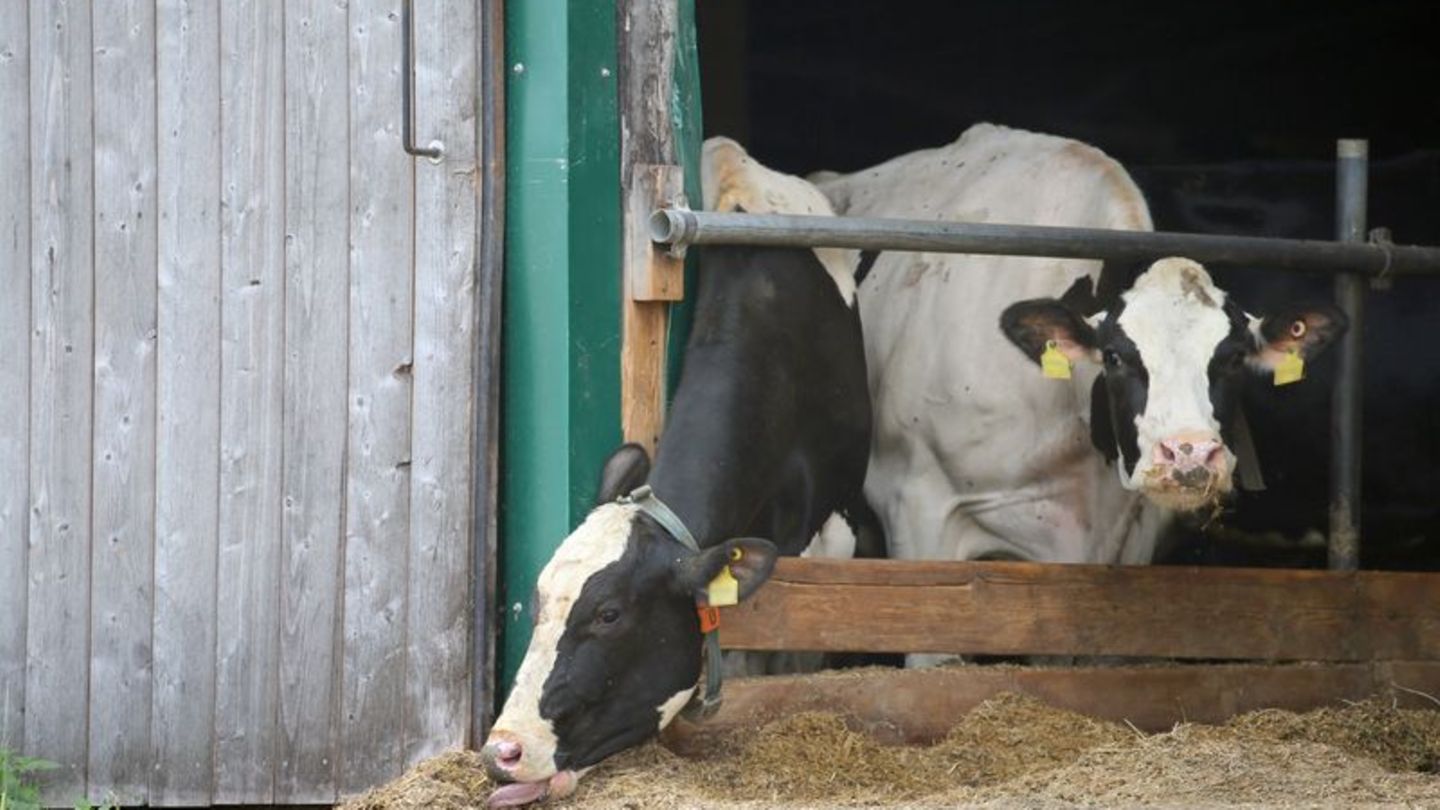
732, 179
1175, 316
595, 544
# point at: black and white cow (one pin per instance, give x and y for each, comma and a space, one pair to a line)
1296, 199
768, 436
977, 455
1175, 352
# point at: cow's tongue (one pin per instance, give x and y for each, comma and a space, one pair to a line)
515, 794
518, 793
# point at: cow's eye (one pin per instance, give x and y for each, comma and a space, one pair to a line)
1111, 358
608, 615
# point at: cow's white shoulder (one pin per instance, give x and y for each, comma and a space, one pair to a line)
974, 452
991, 173
732, 180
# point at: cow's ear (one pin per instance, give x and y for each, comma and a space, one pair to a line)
750, 560
1032, 325
1305, 330
626, 469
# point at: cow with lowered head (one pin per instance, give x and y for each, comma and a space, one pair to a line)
767, 437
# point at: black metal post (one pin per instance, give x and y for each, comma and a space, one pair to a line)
1350, 195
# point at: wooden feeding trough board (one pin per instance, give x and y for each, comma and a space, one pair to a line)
1227, 640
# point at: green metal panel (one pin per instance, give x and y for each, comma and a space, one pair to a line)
562, 287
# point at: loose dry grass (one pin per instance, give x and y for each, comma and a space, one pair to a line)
453, 780
1009, 751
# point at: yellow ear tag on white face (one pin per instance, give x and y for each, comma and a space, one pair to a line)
1291, 368
724, 589
1053, 363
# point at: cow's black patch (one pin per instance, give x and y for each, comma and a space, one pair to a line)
1227, 370
770, 429
867, 261
1124, 385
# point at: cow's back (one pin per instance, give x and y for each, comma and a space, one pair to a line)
974, 453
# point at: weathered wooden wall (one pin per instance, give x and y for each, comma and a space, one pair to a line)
236, 395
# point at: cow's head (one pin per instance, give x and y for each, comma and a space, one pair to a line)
616, 649
1175, 353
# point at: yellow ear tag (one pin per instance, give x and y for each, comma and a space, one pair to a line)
1290, 368
724, 589
1054, 364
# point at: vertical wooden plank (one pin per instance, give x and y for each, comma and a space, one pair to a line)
647, 33
489, 287
14, 365
316, 284
123, 458
187, 402
61, 350
652, 278
252, 256
437, 668
377, 494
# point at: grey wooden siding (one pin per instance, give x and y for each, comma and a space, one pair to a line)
236, 415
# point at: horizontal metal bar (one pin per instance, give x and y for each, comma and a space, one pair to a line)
680, 227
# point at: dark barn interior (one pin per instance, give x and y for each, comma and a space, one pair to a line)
1227, 116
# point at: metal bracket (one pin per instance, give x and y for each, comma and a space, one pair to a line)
435, 150
1381, 238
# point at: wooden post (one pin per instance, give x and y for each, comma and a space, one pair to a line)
647, 35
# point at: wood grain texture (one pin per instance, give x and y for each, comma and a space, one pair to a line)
317, 175
1027, 608
488, 368
187, 501
15, 264
652, 278
642, 372
174, 494
377, 494
61, 391
654, 274
123, 457
647, 31
437, 693
251, 392
921, 705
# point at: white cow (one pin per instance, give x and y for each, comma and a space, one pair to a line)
974, 453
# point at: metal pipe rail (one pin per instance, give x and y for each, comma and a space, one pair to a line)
678, 228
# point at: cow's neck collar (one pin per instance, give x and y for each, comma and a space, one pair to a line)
645, 499
648, 502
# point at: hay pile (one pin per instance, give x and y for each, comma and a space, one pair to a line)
453, 780
1010, 749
